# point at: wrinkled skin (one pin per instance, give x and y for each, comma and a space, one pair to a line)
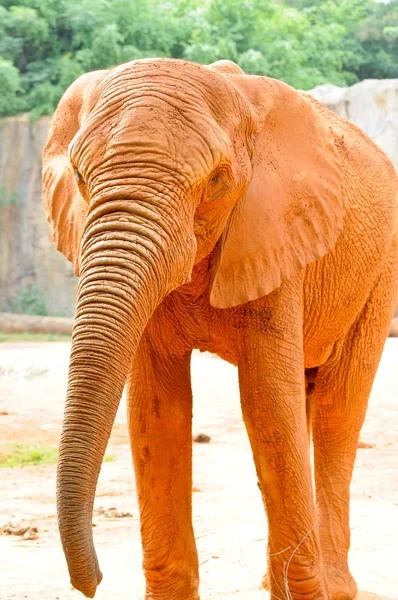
208, 209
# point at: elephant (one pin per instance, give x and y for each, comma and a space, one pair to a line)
203, 208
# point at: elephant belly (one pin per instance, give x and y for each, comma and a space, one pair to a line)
337, 286
336, 290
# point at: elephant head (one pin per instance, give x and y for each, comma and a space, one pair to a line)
148, 166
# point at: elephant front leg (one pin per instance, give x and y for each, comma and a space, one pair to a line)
159, 418
271, 376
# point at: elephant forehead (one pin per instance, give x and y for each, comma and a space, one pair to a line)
181, 80
178, 131
152, 130
185, 86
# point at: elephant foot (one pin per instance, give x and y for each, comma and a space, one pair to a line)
267, 586
179, 591
167, 595
300, 590
150, 596
342, 586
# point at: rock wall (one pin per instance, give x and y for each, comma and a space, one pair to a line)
372, 105
33, 273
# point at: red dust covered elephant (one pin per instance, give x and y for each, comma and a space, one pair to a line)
205, 208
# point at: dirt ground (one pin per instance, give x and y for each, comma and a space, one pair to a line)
229, 521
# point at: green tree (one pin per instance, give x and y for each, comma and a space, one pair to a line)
45, 45
11, 101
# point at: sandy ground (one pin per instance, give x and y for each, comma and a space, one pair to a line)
229, 521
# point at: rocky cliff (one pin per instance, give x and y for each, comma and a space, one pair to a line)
372, 105
34, 277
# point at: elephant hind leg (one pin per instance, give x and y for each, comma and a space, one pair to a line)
340, 400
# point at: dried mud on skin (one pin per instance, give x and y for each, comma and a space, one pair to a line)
229, 522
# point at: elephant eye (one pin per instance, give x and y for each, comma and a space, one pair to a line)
78, 177
219, 182
81, 185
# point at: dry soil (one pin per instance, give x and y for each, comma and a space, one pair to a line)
229, 521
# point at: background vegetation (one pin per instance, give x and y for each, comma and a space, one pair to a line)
28, 455
46, 44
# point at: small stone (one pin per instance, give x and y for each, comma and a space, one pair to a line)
30, 534
365, 445
115, 513
202, 438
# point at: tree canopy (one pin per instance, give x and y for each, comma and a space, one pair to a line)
47, 44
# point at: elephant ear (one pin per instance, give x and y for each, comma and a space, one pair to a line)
228, 67
64, 206
292, 211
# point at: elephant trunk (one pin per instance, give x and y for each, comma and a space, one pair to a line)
128, 264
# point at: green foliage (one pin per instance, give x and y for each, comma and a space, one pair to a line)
26, 455
33, 337
30, 301
10, 86
8, 198
110, 458
23, 455
45, 46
